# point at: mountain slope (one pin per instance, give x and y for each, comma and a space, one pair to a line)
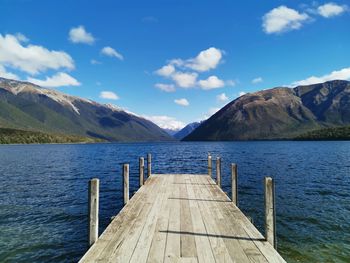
279, 113
29, 107
186, 130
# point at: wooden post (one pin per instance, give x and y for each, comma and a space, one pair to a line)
142, 170
234, 179
218, 171
270, 213
94, 185
126, 183
149, 165
210, 169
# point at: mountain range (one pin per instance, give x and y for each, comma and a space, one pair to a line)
279, 113
26, 106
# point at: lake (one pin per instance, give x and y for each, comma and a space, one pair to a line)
43, 196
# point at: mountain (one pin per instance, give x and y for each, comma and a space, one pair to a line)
26, 106
186, 130
170, 131
279, 113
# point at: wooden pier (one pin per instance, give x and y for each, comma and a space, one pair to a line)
182, 218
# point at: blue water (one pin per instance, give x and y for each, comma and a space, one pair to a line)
43, 193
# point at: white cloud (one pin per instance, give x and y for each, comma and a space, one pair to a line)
166, 70
31, 58
206, 60
182, 102
111, 52
221, 97
7, 75
331, 9
282, 19
109, 95
166, 122
185, 80
241, 93
343, 74
79, 35
60, 79
95, 62
213, 82
165, 87
22, 38
257, 80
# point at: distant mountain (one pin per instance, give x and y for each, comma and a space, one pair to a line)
26, 106
279, 113
186, 130
170, 132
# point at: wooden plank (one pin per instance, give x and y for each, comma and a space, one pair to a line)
270, 216
118, 229
181, 218
94, 186
204, 251
234, 184
242, 222
217, 244
145, 240
141, 170
241, 246
124, 252
157, 250
188, 244
172, 249
126, 183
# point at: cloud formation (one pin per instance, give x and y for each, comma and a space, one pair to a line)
282, 19
185, 80
342, 74
257, 80
109, 95
80, 35
182, 102
111, 52
166, 71
60, 79
165, 122
206, 60
213, 82
331, 9
31, 59
184, 72
165, 87
7, 75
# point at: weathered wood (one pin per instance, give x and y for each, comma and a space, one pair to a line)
126, 183
181, 218
270, 213
234, 185
149, 165
218, 171
94, 185
142, 170
210, 168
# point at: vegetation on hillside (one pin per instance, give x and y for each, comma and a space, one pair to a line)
13, 136
335, 133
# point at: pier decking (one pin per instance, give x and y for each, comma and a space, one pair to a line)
181, 218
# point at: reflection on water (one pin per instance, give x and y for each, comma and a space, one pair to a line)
43, 197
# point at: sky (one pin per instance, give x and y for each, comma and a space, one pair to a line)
173, 61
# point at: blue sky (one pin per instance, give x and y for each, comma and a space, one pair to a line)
173, 61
